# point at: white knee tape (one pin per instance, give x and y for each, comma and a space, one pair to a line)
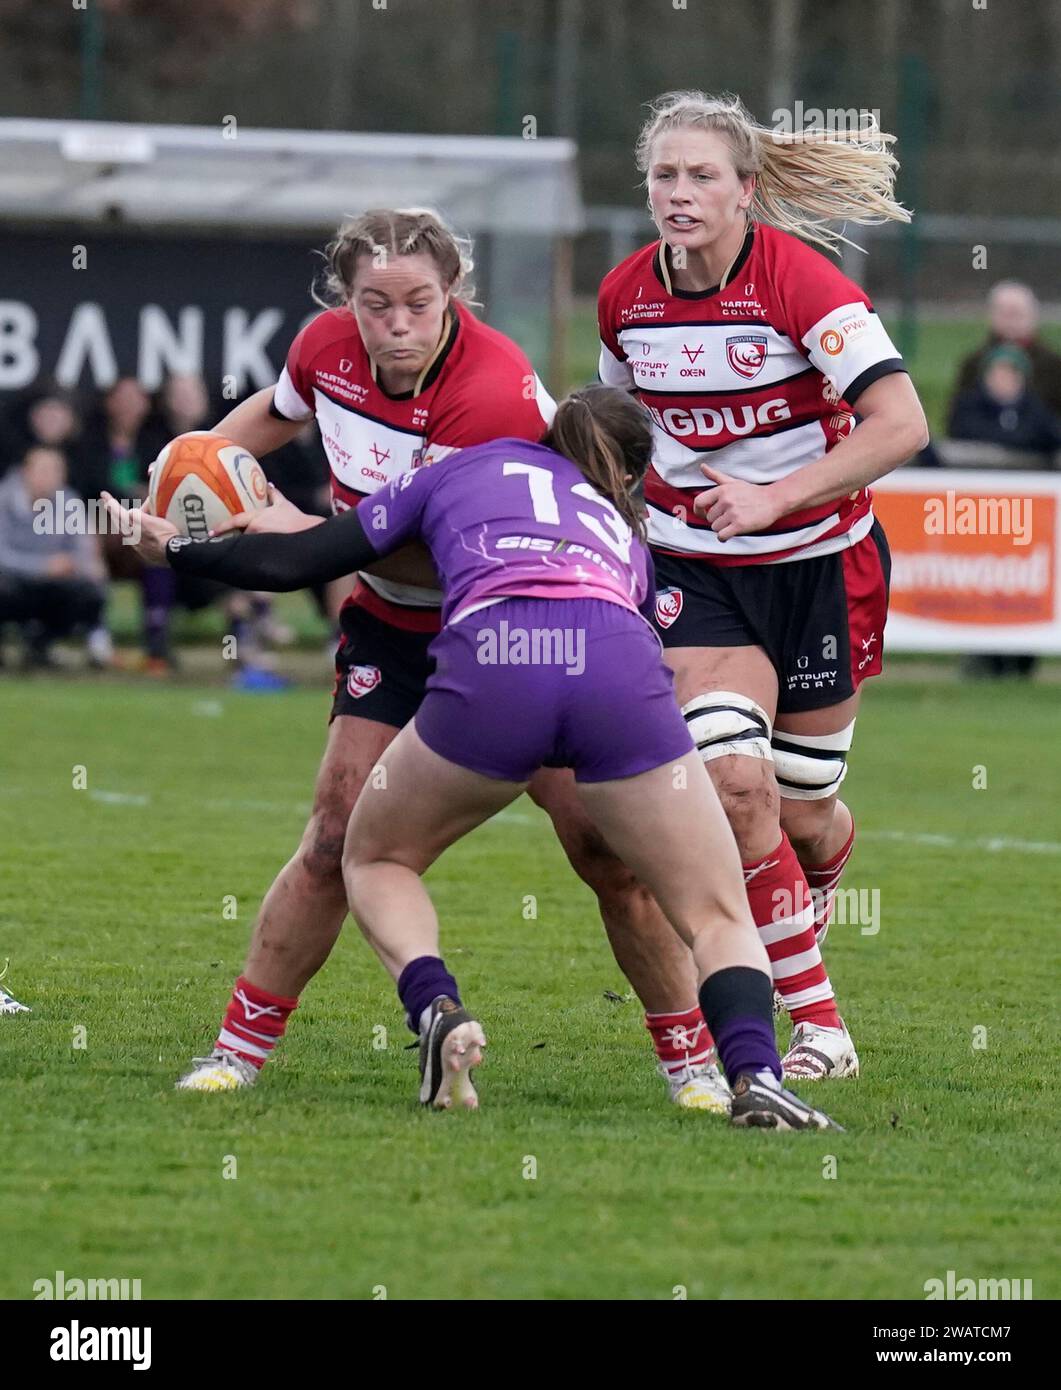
724, 722
811, 767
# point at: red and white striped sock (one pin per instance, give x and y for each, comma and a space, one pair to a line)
254, 1022
780, 903
823, 880
680, 1040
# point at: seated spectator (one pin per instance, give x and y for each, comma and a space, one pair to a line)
1002, 408
115, 452
51, 581
182, 405
1013, 319
118, 448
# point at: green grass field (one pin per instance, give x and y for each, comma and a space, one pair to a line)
111, 911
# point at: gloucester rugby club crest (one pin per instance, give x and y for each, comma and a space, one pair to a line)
747, 353
668, 606
361, 679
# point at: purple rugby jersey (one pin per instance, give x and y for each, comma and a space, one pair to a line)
512, 518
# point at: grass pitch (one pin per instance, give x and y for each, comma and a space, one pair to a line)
576, 1180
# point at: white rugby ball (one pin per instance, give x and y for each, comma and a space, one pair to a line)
200, 479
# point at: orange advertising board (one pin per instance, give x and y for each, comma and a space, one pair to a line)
974, 555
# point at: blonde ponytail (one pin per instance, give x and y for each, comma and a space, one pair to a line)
804, 179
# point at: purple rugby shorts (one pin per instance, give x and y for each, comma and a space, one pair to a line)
533, 682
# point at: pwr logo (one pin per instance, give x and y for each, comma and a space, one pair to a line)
360, 680
747, 353
668, 606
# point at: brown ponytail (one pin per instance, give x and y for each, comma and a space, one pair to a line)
384, 232
607, 434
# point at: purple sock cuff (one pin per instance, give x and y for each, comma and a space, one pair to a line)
747, 1044
422, 980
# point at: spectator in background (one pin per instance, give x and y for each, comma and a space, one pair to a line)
183, 405
51, 581
1013, 319
115, 455
1002, 407
48, 416
115, 448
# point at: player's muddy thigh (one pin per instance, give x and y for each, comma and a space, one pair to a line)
303, 912
646, 948
746, 786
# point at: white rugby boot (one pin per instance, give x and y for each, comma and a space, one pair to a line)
222, 1071
699, 1085
816, 1052
10, 1005
451, 1044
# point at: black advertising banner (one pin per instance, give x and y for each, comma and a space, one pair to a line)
85, 307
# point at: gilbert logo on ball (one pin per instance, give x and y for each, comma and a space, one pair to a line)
668, 606
361, 679
200, 479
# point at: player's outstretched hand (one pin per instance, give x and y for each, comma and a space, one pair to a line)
734, 508
279, 516
146, 534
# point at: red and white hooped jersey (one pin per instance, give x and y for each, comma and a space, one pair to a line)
479, 386
756, 379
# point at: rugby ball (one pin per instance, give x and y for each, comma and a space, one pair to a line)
199, 479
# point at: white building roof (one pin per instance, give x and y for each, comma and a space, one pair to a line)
268, 180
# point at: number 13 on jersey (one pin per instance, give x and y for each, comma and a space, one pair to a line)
611, 530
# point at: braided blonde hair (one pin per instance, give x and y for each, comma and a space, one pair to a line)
395, 232
804, 179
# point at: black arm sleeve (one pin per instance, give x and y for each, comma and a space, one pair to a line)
277, 563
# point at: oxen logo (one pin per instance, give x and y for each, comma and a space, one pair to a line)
747, 353
362, 679
692, 353
668, 606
